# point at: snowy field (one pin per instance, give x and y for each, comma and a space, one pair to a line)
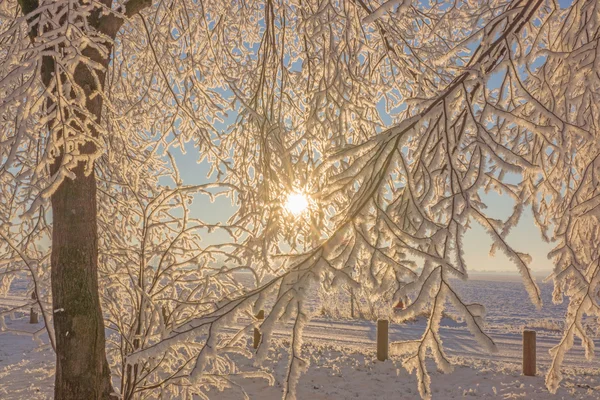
343, 363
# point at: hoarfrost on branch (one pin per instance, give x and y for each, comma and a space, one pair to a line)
484, 95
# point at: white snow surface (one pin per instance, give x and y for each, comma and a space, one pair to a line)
343, 362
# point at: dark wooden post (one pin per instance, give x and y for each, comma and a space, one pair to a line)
260, 316
33, 315
529, 353
165, 315
382, 339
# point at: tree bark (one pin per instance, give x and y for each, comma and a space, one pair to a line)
82, 371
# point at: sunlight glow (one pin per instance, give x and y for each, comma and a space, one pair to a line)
296, 203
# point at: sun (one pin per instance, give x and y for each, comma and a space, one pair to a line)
296, 203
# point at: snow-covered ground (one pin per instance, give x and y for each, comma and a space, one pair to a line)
343, 363
351, 373
26, 368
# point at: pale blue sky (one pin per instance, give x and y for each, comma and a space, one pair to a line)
525, 237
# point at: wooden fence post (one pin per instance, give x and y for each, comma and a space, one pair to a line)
33, 315
260, 315
529, 353
382, 339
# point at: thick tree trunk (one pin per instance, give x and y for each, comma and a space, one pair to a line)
82, 371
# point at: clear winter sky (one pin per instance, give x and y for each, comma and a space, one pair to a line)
525, 237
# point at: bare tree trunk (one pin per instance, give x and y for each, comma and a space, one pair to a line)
82, 371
